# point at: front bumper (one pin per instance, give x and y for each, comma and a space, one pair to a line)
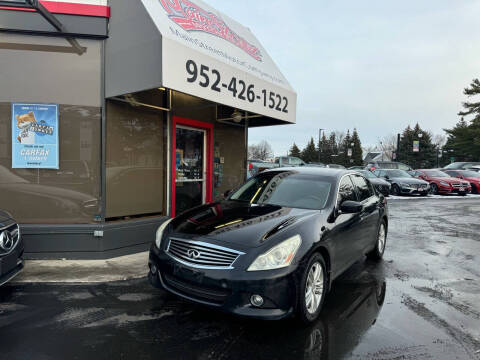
11, 264
454, 190
227, 290
414, 190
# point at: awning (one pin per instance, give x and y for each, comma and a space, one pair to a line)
207, 54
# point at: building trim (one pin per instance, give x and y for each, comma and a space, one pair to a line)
61, 7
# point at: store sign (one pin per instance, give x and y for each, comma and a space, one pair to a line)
35, 136
206, 54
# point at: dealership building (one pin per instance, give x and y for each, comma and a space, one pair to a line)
115, 115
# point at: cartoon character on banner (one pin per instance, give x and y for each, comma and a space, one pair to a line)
24, 123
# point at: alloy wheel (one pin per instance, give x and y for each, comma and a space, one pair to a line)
381, 239
314, 288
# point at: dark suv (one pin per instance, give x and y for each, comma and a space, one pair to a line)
11, 248
373, 165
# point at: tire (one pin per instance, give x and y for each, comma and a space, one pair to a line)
474, 189
307, 311
395, 190
434, 189
377, 253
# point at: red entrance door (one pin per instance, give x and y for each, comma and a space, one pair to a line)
192, 160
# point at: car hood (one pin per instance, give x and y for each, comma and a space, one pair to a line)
5, 219
449, 180
378, 181
408, 180
236, 222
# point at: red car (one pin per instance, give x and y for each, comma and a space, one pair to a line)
472, 177
442, 183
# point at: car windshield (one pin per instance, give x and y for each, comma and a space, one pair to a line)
367, 174
398, 173
436, 173
287, 189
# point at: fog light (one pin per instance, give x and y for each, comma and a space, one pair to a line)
256, 300
153, 269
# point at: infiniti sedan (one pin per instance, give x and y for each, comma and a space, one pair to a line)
272, 248
11, 248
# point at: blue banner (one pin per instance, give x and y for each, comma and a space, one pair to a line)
35, 136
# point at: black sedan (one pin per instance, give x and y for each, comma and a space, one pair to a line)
11, 248
273, 247
403, 183
382, 186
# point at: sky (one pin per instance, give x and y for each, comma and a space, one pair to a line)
377, 66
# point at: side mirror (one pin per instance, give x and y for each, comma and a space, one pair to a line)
387, 177
227, 193
350, 207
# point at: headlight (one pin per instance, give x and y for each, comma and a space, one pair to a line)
277, 257
161, 228
444, 183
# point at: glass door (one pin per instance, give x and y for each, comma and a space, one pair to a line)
190, 167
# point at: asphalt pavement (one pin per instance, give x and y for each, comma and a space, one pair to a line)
421, 302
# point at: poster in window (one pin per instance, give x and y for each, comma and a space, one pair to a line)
35, 136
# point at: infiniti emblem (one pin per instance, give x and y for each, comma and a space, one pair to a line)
6, 241
193, 254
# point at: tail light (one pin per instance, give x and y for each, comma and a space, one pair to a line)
250, 166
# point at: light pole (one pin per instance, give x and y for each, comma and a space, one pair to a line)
319, 139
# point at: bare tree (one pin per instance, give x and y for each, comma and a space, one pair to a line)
439, 140
388, 145
261, 151
340, 138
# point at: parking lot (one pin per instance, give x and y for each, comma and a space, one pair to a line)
421, 302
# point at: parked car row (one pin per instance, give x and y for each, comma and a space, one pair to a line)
405, 181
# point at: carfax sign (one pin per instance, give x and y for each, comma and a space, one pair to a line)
35, 136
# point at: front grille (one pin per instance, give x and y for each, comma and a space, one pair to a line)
201, 254
14, 231
216, 296
459, 185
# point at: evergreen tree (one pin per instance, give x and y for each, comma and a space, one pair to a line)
332, 147
463, 143
324, 150
425, 157
343, 158
357, 152
295, 151
309, 154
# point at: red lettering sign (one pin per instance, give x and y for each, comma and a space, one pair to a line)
193, 18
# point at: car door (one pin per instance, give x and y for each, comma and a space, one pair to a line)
369, 215
344, 232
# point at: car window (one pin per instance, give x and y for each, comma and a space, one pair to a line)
295, 161
285, 189
346, 191
403, 166
379, 173
364, 191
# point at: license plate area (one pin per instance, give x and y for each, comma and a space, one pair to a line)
187, 274
8, 262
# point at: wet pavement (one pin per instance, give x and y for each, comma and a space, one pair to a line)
421, 302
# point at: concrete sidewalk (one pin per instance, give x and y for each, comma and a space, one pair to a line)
84, 271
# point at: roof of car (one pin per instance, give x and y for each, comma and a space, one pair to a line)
326, 172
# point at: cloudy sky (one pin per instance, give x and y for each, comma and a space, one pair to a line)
374, 65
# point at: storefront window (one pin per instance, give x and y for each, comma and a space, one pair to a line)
136, 155
45, 70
